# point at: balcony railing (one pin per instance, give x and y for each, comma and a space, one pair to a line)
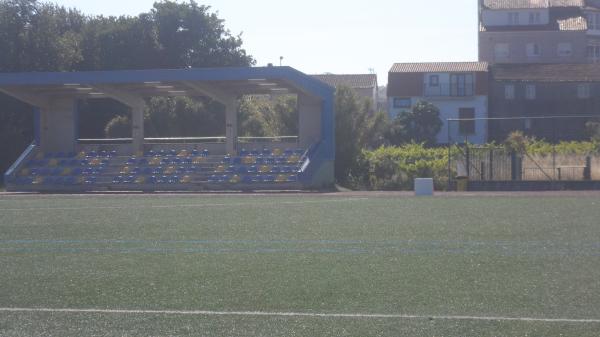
449, 90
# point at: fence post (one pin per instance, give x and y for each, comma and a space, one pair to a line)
482, 171
587, 171
491, 165
513, 165
468, 160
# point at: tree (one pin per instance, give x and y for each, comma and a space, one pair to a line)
40, 36
356, 129
592, 129
421, 124
268, 116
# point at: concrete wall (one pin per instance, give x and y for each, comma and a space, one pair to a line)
547, 40
58, 131
500, 17
309, 110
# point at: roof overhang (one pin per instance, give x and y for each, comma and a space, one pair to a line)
132, 86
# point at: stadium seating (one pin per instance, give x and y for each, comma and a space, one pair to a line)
158, 169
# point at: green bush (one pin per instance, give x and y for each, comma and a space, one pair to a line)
395, 168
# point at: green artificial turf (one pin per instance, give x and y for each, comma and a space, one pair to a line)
490, 256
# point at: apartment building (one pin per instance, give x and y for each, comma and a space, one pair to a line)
539, 31
542, 90
458, 89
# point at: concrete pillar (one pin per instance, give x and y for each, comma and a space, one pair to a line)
58, 129
309, 111
231, 129
137, 124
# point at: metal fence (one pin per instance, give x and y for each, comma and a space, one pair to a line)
496, 162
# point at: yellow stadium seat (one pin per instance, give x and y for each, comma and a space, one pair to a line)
66, 172
53, 163
264, 169
155, 161
277, 152
95, 162
220, 169
170, 170
38, 181
186, 180
235, 179
281, 178
80, 180
249, 160
183, 153
140, 180
39, 156
293, 160
139, 154
199, 160
81, 155
24, 172
125, 170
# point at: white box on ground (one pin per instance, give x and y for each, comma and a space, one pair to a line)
424, 187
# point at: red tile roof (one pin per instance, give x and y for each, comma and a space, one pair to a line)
527, 4
356, 81
439, 67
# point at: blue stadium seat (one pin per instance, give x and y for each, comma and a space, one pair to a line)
77, 171
143, 162
242, 169
253, 169
266, 152
288, 152
275, 170
205, 153
237, 161
247, 179
268, 178
117, 180
255, 153
292, 178
244, 153
260, 161
148, 170
195, 152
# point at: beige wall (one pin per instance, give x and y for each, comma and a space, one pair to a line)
548, 42
57, 129
309, 110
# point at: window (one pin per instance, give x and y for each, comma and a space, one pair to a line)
527, 123
402, 102
583, 91
509, 91
593, 21
565, 49
467, 121
434, 80
533, 50
535, 18
593, 53
501, 51
461, 85
530, 91
513, 18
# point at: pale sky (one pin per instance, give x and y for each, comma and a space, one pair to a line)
335, 36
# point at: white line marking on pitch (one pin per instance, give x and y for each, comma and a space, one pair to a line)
270, 204
298, 314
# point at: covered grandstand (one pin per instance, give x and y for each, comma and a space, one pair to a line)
58, 160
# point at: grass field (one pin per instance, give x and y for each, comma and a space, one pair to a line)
499, 260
